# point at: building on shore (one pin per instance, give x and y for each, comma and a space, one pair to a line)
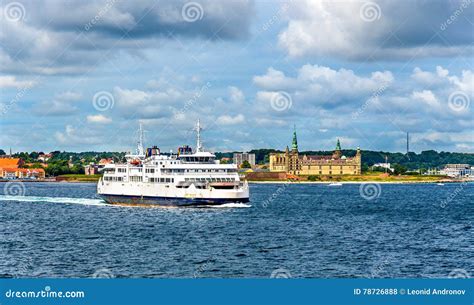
10, 168
239, 158
94, 169
385, 165
457, 170
293, 163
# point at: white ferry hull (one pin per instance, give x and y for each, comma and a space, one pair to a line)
126, 194
185, 179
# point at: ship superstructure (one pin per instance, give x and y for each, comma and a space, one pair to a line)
187, 178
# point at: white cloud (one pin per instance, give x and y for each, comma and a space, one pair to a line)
74, 136
229, 120
89, 29
236, 95
274, 80
147, 104
7, 81
99, 118
319, 85
341, 29
64, 103
427, 97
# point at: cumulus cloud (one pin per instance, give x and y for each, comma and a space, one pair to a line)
68, 37
236, 95
99, 118
8, 81
63, 104
73, 136
395, 30
320, 86
230, 120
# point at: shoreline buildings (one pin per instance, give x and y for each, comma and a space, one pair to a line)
11, 168
239, 158
292, 162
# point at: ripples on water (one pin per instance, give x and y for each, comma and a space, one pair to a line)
64, 230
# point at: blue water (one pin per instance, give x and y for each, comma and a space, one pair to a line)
64, 230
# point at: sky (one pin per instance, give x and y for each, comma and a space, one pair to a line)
81, 75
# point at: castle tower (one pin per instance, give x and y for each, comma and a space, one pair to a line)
294, 144
337, 152
287, 159
358, 158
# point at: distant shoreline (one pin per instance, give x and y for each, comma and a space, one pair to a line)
359, 182
277, 181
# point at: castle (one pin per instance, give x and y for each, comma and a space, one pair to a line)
293, 163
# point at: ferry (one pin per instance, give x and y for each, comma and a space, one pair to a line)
188, 178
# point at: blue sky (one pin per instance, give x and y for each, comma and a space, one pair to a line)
80, 75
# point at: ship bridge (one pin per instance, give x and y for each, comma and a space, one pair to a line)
198, 157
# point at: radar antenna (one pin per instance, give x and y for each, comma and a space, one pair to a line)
140, 148
198, 135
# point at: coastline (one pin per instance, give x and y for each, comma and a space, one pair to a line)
275, 181
361, 182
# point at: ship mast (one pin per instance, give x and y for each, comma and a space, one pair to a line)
198, 134
140, 149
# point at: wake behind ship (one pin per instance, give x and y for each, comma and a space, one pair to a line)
185, 179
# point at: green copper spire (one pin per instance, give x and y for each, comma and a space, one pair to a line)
338, 145
294, 145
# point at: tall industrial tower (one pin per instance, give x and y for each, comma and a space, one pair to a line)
408, 143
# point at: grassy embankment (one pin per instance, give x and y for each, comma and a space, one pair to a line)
369, 176
78, 178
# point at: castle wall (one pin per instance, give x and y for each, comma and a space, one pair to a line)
294, 164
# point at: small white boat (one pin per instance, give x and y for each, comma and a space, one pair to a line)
335, 184
440, 183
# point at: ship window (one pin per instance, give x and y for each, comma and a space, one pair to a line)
134, 178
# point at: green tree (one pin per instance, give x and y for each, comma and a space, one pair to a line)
245, 164
399, 169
